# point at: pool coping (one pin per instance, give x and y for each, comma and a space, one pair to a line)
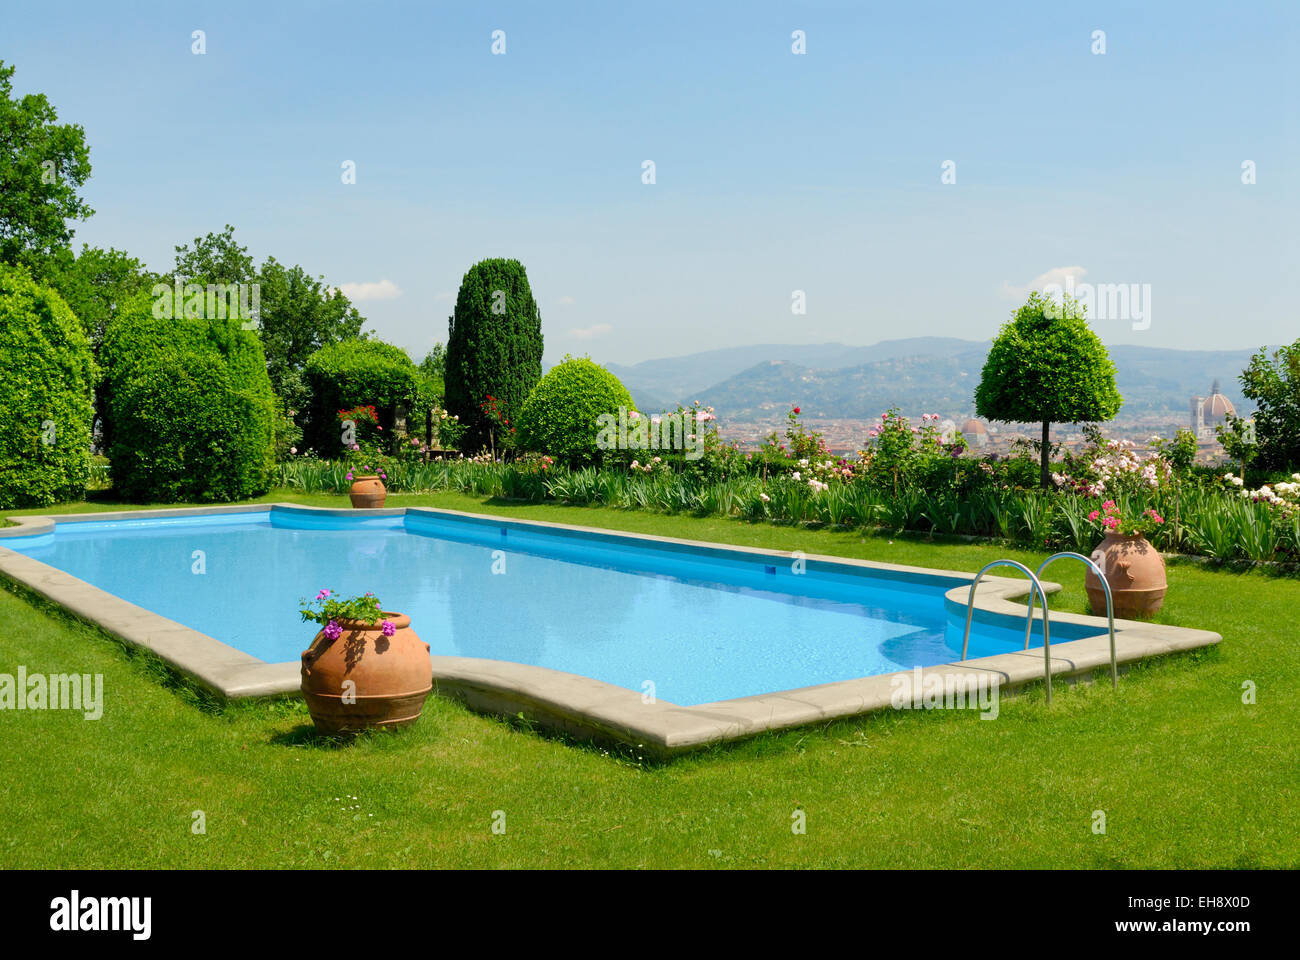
580, 705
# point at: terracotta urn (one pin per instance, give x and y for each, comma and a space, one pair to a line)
368, 491
1136, 574
364, 679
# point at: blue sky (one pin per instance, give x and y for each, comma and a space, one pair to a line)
775, 172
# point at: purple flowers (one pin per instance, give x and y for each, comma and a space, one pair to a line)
331, 611
388, 627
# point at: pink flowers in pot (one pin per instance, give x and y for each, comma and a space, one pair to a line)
1111, 519
327, 611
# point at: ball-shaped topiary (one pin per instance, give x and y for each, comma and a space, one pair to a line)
561, 415
1047, 366
189, 413
47, 379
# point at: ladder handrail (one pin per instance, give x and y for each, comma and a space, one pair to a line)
1029, 623
1110, 607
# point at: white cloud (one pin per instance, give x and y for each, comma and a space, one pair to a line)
1055, 276
586, 333
565, 301
380, 290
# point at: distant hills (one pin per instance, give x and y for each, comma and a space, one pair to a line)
939, 374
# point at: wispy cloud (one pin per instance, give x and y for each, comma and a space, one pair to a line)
565, 301
371, 290
1056, 276
586, 333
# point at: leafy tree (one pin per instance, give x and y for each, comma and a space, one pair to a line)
1237, 435
560, 416
1274, 384
46, 377
42, 165
216, 258
1047, 366
434, 366
299, 315
95, 283
494, 346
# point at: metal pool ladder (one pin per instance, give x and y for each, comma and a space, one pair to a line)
1029, 621
1110, 606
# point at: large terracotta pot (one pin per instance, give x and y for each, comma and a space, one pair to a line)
1136, 574
391, 676
368, 491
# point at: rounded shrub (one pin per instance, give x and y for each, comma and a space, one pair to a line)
189, 413
356, 373
561, 417
47, 379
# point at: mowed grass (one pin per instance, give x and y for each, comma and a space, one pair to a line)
1186, 774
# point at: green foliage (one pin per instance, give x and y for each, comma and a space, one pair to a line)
560, 416
299, 315
980, 499
189, 413
434, 367
1179, 451
1047, 366
288, 435
95, 283
328, 607
1274, 384
355, 373
42, 165
426, 414
47, 376
216, 258
1237, 435
494, 346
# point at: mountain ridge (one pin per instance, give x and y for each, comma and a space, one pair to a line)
834, 380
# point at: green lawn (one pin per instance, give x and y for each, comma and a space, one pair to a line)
1187, 775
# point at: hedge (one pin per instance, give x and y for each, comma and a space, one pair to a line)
189, 412
47, 380
354, 373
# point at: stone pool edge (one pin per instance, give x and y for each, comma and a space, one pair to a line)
578, 705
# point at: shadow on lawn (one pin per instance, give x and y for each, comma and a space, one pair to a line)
306, 735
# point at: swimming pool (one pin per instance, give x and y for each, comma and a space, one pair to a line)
700, 625
676, 624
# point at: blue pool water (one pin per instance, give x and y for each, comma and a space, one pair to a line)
702, 625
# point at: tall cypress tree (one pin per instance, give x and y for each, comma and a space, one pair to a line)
494, 346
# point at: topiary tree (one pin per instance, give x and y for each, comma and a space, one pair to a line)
494, 346
189, 413
1046, 366
47, 379
560, 415
355, 373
